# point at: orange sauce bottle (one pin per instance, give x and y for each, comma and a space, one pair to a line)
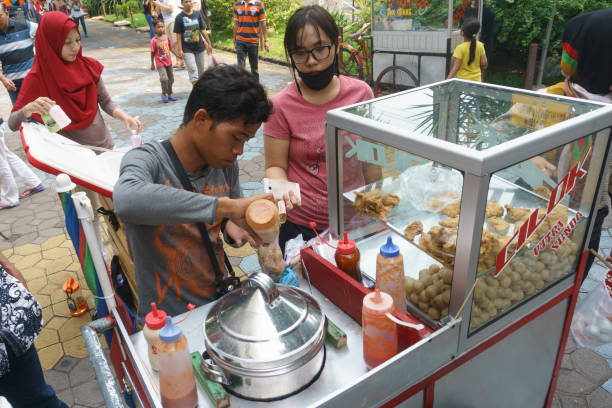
347, 258
390, 274
379, 333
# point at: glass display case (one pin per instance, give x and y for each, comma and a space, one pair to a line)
487, 191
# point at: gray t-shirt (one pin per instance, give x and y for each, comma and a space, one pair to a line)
171, 262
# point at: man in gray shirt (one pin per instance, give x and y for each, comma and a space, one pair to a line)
224, 110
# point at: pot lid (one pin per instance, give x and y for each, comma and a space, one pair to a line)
262, 324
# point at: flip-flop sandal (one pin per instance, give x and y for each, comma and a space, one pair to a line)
31, 191
6, 207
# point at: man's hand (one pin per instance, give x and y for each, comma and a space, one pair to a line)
568, 88
241, 236
152, 67
235, 209
179, 53
267, 45
8, 84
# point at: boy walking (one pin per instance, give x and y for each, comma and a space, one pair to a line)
192, 40
249, 19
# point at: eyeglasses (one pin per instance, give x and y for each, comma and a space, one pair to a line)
318, 53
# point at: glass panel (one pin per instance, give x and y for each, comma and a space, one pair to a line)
533, 233
475, 116
388, 192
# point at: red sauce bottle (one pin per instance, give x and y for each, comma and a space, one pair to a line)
347, 258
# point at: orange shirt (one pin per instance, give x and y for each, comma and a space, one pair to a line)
248, 15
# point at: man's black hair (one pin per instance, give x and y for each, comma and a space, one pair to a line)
229, 94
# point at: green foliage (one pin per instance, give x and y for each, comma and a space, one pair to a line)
522, 22
361, 16
277, 13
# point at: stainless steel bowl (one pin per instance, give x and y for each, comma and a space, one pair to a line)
265, 340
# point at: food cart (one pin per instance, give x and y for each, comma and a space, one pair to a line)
493, 272
471, 154
414, 34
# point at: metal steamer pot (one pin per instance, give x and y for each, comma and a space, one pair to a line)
265, 341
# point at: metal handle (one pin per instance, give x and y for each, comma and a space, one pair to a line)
212, 371
262, 281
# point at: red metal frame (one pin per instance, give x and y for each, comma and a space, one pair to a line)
52, 170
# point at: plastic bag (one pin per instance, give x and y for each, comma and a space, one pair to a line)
271, 260
289, 277
326, 251
431, 188
592, 323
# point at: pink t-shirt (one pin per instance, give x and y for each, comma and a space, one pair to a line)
160, 47
303, 124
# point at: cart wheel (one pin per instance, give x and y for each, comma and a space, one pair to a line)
394, 79
349, 64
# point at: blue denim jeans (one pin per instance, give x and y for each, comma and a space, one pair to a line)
14, 94
82, 21
252, 50
24, 386
150, 21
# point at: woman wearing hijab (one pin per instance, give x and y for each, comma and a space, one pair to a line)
61, 75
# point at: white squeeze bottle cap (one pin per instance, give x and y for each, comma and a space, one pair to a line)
136, 139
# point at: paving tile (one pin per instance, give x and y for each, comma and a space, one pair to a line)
56, 322
25, 239
605, 350
75, 347
555, 402
60, 309
66, 364
570, 401
591, 365
32, 273
59, 265
88, 394
53, 242
600, 398
49, 356
57, 253
37, 285
57, 379
82, 372
72, 327
44, 300
67, 396
28, 261
47, 313
45, 338
608, 386
243, 251
566, 363
574, 383
570, 345
28, 249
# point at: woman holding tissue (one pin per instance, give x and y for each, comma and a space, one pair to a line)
61, 75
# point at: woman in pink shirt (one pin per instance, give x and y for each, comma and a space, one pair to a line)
294, 135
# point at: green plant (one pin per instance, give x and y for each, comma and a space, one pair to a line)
361, 12
277, 13
520, 23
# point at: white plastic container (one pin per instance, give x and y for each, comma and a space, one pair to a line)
155, 320
60, 117
176, 379
135, 139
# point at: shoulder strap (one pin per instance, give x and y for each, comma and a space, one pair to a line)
182, 175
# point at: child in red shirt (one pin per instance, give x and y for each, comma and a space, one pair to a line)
161, 59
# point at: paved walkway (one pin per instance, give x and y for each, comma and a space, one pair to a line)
34, 238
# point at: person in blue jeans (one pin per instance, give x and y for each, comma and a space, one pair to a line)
150, 16
22, 381
77, 14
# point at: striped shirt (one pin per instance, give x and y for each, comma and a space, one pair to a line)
248, 15
17, 49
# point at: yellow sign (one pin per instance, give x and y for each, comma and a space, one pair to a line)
536, 113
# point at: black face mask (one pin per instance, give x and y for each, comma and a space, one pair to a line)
319, 80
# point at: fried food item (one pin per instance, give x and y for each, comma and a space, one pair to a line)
499, 226
494, 210
375, 204
443, 199
517, 214
543, 191
413, 230
451, 210
450, 223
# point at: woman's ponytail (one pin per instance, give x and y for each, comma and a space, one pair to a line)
470, 28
